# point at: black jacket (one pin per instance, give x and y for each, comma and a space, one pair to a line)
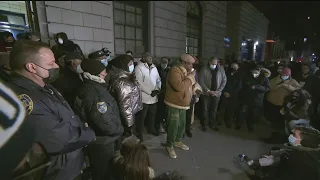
68, 84
234, 85
56, 127
97, 107
60, 50
163, 73
254, 97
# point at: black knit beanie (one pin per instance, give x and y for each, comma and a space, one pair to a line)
121, 62
92, 66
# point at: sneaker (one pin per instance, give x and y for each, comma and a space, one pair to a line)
171, 152
181, 146
204, 128
215, 128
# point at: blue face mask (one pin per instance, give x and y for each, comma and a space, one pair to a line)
104, 62
213, 66
131, 68
292, 140
284, 77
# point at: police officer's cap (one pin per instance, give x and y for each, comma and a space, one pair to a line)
96, 54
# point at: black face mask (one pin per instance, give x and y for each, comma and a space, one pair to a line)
53, 75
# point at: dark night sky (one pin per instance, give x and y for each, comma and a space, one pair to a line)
289, 20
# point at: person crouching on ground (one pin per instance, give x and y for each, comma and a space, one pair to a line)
178, 96
134, 164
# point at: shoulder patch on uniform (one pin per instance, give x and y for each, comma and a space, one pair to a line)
102, 107
27, 102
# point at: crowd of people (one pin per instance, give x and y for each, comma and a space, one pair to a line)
87, 115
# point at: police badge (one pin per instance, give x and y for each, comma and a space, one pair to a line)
102, 107
27, 102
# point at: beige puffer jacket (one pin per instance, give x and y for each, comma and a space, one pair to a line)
280, 89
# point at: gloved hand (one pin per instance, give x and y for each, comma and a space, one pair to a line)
154, 93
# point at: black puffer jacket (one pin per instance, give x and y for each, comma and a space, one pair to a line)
254, 97
97, 107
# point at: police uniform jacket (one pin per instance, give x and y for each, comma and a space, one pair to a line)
97, 107
56, 127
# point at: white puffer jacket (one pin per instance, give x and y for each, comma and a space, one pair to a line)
149, 80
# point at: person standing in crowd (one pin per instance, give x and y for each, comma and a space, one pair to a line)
124, 88
70, 77
280, 87
196, 91
254, 88
129, 53
21, 157
54, 123
212, 79
150, 85
5, 70
6, 42
230, 96
102, 56
163, 70
98, 108
33, 36
310, 83
63, 47
178, 96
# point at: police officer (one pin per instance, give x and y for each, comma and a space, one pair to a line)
97, 107
54, 123
102, 55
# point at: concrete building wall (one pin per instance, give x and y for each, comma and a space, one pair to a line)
251, 24
214, 28
87, 23
90, 25
170, 19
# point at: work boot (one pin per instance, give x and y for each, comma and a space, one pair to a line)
188, 133
171, 152
204, 128
215, 128
181, 146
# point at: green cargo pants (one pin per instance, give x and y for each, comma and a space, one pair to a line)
176, 121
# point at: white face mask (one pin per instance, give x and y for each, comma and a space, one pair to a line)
79, 69
292, 140
131, 68
104, 62
60, 41
164, 65
255, 75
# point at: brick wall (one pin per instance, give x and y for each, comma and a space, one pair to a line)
87, 23
169, 28
214, 28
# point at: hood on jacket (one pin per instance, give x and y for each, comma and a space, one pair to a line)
266, 72
312, 139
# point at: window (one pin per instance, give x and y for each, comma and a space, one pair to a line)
194, 24
130, 31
